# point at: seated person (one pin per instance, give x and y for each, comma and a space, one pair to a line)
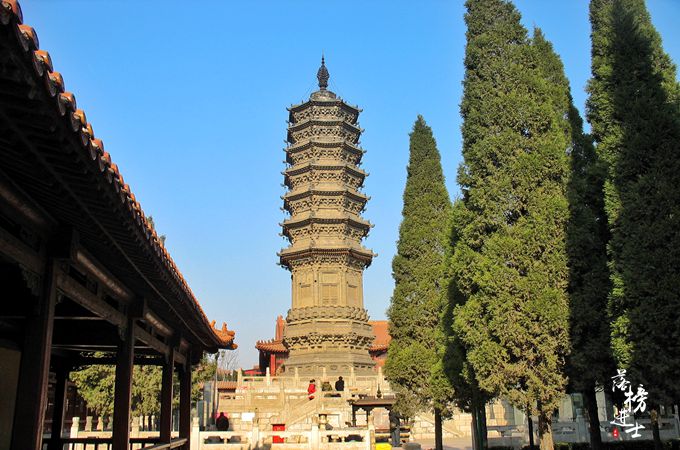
222, 423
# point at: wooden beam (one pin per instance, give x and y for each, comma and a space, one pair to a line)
166, 397
81, 295
139, 360
12, 248
14, 202
152, 341
88, 264
34, 370
123, 388
81, 318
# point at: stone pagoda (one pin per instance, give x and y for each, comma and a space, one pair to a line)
327, 327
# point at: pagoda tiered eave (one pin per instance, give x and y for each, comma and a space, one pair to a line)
307, 219
299, 126
312, 189
298, 147
325, 102
290, 255
306, 167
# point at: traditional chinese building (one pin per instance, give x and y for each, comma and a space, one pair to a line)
273, 353
85, 278
327, 325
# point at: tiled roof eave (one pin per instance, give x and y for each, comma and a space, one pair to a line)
39, 65
271, 346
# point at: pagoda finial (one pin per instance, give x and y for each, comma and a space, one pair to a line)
322, 75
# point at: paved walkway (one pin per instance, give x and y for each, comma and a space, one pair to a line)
449, 444
464, 443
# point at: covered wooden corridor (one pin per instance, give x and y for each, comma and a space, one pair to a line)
84, 277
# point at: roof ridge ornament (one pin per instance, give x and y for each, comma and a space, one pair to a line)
322, 75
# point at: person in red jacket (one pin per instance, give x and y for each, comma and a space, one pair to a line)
311, 389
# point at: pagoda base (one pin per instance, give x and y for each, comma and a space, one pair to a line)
329, 363
331, 339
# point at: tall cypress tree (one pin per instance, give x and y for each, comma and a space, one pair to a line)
590, 363
414, 359
511, 262
466, 392
634, 110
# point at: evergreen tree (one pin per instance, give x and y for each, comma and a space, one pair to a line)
467, 395
590, 363
511, 260
96, 384
634, 110
414, 364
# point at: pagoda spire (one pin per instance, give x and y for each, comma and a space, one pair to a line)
322, 75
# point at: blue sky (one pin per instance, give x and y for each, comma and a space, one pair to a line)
190, 100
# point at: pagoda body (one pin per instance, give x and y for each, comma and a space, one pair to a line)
327, 327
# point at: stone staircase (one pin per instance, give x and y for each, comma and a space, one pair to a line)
301, 412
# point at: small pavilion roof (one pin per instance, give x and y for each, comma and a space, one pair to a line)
271, 346
226, 385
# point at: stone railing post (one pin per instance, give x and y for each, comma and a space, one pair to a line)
314, 438
74, 427
88, 423
239, 379
371, 432
134, 432
248, 398
195, 436
255, 440
296, 378
268, 377
74, 431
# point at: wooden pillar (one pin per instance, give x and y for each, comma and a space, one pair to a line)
31, 399
60, 388
123, 389
166, 397
185, 400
